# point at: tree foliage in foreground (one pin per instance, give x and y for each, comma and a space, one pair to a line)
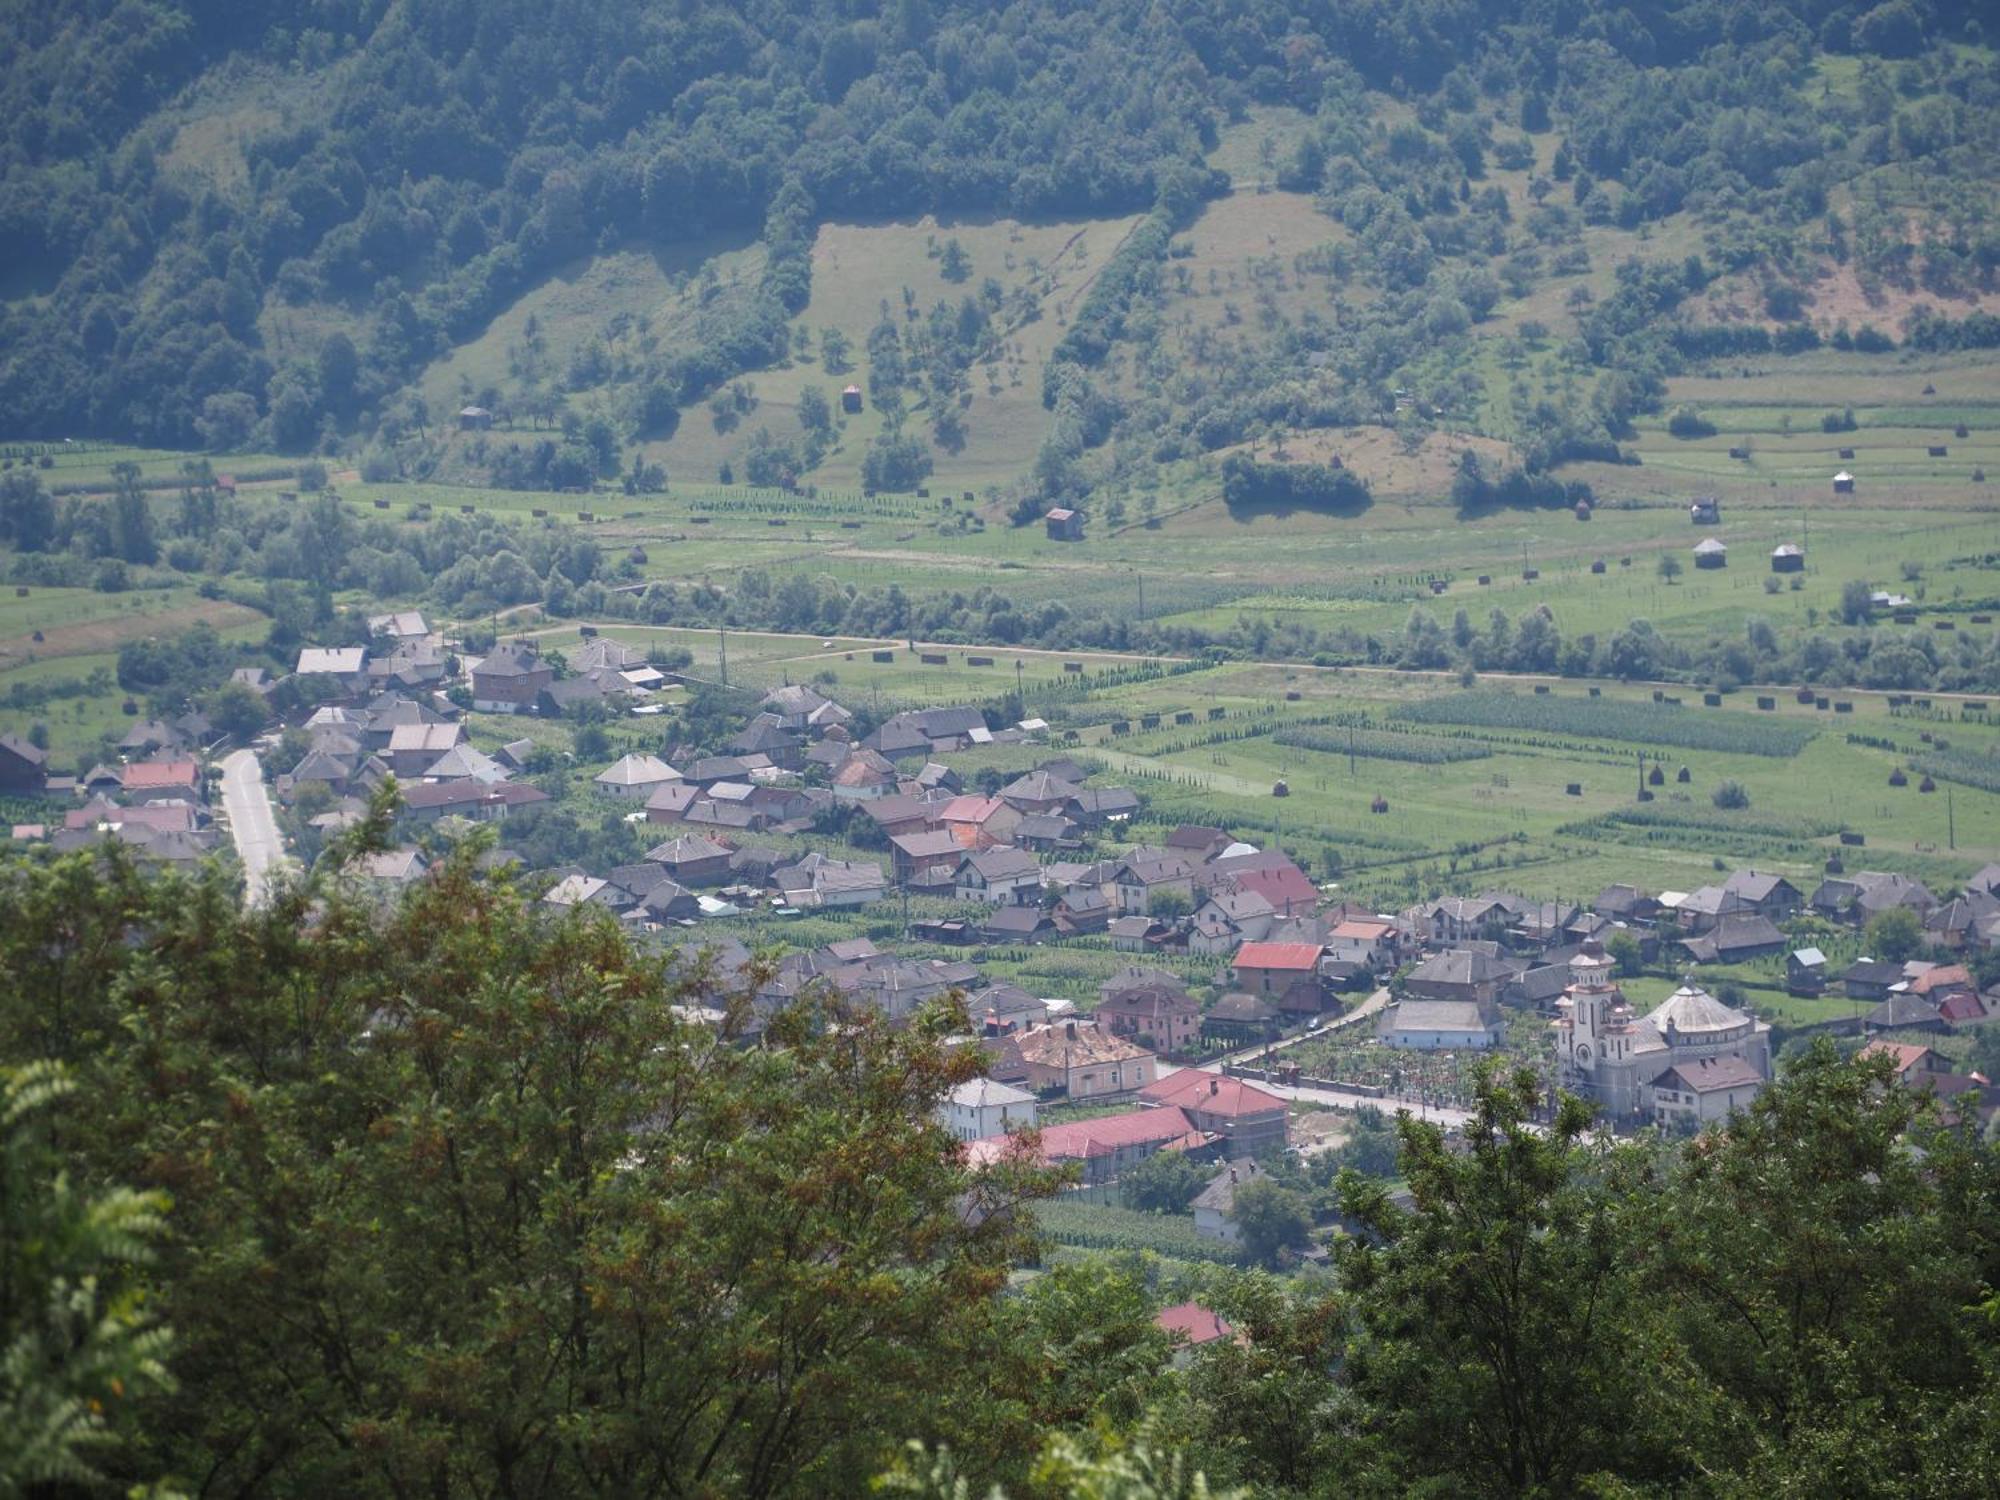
463, 1207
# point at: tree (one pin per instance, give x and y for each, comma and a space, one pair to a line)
1164, 1183
131, 517
1628, 958
79, 1348
835, 351
1168, 904
1730, 794
459, 1180
815, 411
27, 514
1857, 604
1270, 1220
1498, 1356
237, 710
1669, 568
1893, 935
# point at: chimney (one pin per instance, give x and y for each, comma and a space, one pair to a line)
1214, 1086
1069, 1027
992, 1024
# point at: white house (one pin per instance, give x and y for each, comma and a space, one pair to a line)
1005, 876
1440, 1025
636, 777
1214, 1205
1362, 940
981, 1108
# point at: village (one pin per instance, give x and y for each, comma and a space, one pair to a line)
1236, 1013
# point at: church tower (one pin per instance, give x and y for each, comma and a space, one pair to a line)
1599, 1020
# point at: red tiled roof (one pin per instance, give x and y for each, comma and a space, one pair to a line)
1301, 956
1943, 977
1193, 1322
1211, 1093
1907, 1055
1358, 927
146, 774
1078, 1140
969, 809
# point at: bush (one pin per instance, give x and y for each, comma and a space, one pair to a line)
1689, 423
1730, 794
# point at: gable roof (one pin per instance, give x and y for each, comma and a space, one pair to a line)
1710, 1075
1212, 1094
1297, 957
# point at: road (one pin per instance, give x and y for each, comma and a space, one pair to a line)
247, 805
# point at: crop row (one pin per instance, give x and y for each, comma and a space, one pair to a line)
1966, 767
1092, 1226
1384, 744
1611, 719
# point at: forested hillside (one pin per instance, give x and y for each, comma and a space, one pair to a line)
260, 225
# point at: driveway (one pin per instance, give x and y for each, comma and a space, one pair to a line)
252, 825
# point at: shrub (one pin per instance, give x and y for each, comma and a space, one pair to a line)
1730, 794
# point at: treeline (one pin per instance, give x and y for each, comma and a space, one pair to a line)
446, 1193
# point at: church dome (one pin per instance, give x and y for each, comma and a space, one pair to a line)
1693, 1012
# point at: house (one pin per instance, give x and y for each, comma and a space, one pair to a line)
1084, 908
913, 853
1788, 557
570, 696
800, 707
1967, 921
1241, 1019
1870, 979
666, 901
427, 802
1213, 1206
692, 860
24, 767
1704, 1090
414, 748
1705, 510
1272, 968
390, 866
1003, 876
1858, 896
635, 777
978, 822
1458, 919
510, 679
1768, 895
1103, 1147
1038, 792
1903, 1011
578, 889
1047, 833
1190, 1326
1270, 873
1625, 903
464, 762
1702, 908
1145, 875
864, 776
163, 781
1064, 524
1018, 924
1710, 553
1805, 972
1736, 938
1471, 975
1156, 1014
1251, 1120
1536, 989
1440, 1025
1370, 941
347, 664
981, 1107
1227, 920
818, 881
1132, 934
401, 625
672, 802
1198, 842
1078, 1061
1096, 806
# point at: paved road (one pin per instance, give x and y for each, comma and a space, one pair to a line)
251, 823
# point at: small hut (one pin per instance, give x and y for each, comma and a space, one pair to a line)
1843, 483
474, 419
850, 399
1788, 557
1710, 553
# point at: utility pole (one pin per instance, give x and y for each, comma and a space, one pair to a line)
1142, 593
1950, 820
1020, 694
722, 649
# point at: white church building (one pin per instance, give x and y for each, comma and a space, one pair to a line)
1690, 1059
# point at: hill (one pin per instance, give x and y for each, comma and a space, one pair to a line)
1058, 248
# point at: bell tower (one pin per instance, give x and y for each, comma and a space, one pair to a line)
1594, 1035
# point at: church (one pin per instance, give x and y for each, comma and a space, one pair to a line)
1691, 1059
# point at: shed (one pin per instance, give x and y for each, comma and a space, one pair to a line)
1788, 557
1843, 483
1064, 525
1705, 510
474, 419
850, 399
1710, 553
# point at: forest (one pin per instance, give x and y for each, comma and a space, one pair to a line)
443, 1195
440, 157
